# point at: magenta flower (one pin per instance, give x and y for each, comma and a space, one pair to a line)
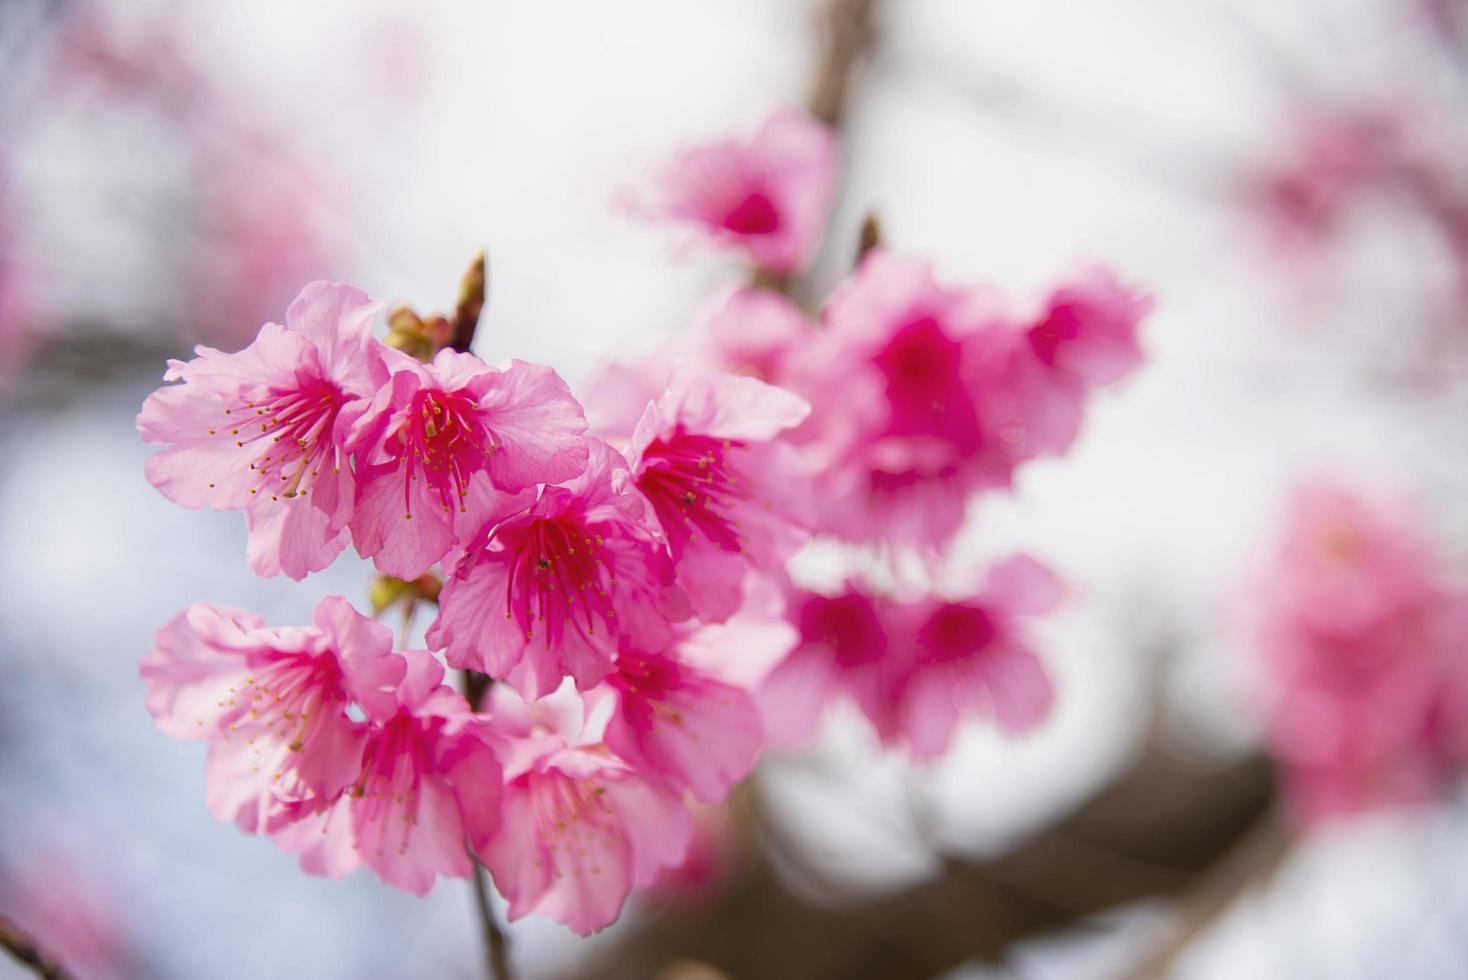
900, 380
675, 724
768, 197
272, 703
1085, 338
450, 442
843, 650
268, 430
1360, 634
426, 785
754, 332
580, 828
728, 496
972, 659
916, 669
553, 590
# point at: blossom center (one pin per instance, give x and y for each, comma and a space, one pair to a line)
443, 442
287, 437
694, 489
754, 215
572, 816
955, 632
558, 579
922, 366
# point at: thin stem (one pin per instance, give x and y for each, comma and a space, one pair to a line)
1250, 864
496, 944
18, 943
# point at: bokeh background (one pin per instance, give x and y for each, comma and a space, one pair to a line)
171, 173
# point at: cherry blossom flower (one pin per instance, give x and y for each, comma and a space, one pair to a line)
768, 197
1362, 663
451, 442
1086, 337
427, 785
916, 669
553, 590
268, 430
581, 828
1333, 160
272, 703
899, 379
973, 659
674, 723
729, 498
843, 649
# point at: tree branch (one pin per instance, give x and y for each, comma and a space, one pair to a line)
18, 943
1154, 831
496, 944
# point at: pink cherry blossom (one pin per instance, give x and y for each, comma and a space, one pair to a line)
580, 828
1086, 337
268, 430
427, 786
728, 496
768, 197
676, 724
451, 443
1361, 657
899, 379
553, 590
1333, 159
271, 702
754, 333
916, 669
843, 649
973, 659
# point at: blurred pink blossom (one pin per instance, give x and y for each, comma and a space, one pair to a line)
917, 669
767, 197
1362, 645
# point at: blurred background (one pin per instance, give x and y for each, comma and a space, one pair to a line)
172, 173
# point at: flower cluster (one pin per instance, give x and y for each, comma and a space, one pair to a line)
1359, 639
563, 557
628, 599
922, 395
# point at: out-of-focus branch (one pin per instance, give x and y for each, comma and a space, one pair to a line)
848, 35
18, 943
1157, 830
1249, 865
848, 32
496, 945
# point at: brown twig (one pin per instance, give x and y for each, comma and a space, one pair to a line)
19, 944
470, 304
1250, 864
496, 944
848, 33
